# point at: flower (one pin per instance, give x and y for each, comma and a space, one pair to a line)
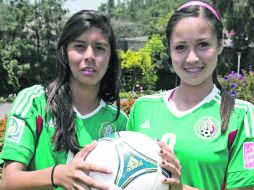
233, 85
233, 93
232, 74
226, 78
239, 85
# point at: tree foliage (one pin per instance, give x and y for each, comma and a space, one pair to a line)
28, 42
140, 17
238, 16
238, 19
139, 68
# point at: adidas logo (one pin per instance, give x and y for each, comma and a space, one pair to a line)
133, 163
145, 125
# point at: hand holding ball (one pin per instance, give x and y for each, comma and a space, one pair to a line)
134, 159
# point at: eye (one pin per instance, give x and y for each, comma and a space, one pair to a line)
203, 45
180, 47
100, 48
79, 46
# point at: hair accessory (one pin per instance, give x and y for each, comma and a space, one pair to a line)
201, 4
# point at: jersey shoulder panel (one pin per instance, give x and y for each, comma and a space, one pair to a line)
28, 99
155, 98
243, 105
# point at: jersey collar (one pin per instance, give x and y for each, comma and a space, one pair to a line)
178, 113
101, 105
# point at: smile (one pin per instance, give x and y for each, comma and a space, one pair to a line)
193, 70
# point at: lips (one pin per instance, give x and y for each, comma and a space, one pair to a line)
88, 71
193, 70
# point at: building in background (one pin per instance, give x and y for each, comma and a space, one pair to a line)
133, 43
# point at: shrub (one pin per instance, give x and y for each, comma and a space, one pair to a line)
126, 105
3, 123
240, 85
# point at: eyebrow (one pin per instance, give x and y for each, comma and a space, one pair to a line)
205, 38
80, 41
198, 40
83, 42
179, 42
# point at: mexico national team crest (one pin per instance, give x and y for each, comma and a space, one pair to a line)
106, 129
15, 129
207, 128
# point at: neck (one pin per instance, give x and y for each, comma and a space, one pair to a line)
85, 99
186, 96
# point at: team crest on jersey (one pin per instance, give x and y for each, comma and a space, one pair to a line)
106, 129
15, 129
207, 128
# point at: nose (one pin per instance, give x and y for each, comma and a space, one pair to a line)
192, 57
89, 54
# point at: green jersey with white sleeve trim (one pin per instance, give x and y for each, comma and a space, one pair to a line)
19, 142
210, 160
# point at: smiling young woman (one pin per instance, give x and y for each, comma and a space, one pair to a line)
212, 134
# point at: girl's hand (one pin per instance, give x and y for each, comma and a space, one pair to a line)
75, 174
170, 163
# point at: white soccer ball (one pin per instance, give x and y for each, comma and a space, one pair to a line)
134, 159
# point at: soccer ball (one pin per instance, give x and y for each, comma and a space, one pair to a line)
134, 159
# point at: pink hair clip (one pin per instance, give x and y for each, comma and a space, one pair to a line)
201, 4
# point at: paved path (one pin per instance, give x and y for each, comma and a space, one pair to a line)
4, 109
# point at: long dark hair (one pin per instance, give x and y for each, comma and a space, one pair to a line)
227, 101
58, 91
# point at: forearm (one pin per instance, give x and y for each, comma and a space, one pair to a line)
36, 180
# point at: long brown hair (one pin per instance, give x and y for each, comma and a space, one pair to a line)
58, 91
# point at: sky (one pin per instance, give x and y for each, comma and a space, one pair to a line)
77, 5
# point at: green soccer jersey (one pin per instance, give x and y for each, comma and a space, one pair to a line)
209, 159
19, 142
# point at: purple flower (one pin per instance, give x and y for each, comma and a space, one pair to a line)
241, 77
233, 93
233, 85
232, 74
226, 78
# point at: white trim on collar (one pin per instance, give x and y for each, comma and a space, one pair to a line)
101, 105
178, 113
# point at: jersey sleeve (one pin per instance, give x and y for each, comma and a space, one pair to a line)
240, 172
20, 132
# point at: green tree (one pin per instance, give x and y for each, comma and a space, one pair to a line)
29, 42
140, 17
234, 14
111, 6
3, 73
238, 17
